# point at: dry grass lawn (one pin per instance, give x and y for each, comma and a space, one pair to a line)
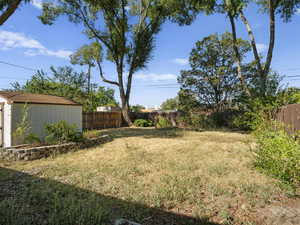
167, 176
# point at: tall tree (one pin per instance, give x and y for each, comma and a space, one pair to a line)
8, 7
235, 9
212, 79
125, 29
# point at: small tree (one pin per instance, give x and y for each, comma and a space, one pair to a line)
23, 127
212, 79
89, 55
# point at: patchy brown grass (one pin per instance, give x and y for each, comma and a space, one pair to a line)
151, 176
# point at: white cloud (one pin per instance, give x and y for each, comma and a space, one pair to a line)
37, 3
156, 77
181, 61
261, 47
10, 40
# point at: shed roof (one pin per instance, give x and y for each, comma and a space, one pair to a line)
21, 97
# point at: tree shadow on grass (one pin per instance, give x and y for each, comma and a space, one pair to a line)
30, 200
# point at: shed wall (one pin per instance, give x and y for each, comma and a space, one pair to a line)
41, 114
6, 123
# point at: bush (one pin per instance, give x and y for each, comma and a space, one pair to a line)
32, 139
249, 121
143, 123
62, 132
23, 127
278, 153
163, 123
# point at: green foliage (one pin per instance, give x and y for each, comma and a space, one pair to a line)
197, 121
88, 55
32, 139
278, 153
143, 123
23, 127
66, 82
163, 122
212, 80
136, 108
170, 104
62, 132
290, 95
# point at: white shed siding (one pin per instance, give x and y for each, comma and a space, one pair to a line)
7, 129
41, 114
6, 123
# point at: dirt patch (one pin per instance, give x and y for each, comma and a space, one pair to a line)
285, 213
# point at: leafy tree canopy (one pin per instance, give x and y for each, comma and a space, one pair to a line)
137, 108
170, 104
66, 82
212, 79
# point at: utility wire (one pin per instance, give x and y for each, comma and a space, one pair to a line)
18, 66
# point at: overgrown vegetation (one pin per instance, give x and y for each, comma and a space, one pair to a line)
151, 176
62, 132
143, 123
278, 152
163, 122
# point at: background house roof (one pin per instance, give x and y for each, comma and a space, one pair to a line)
21, 97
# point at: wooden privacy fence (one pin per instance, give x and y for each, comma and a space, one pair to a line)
101, 120
290, 116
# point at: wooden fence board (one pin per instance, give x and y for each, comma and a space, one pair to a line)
290, 116
101, 120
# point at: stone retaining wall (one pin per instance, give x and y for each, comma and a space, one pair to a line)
34, 153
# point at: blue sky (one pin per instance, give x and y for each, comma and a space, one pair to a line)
27, 42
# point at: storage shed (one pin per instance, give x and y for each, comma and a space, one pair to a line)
42, 109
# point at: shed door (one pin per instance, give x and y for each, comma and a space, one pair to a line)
1, 123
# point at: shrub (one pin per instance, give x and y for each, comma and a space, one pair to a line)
163, 123
62, 132
32, 139
278, 153
23, 127
143, 123
248, 120
197, 121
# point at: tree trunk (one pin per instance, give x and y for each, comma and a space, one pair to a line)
124, 98
89, 79
125, 112
9, 11
263, 71
271, 41
238, 56
253, 42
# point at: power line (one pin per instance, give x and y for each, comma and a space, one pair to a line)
18, 66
